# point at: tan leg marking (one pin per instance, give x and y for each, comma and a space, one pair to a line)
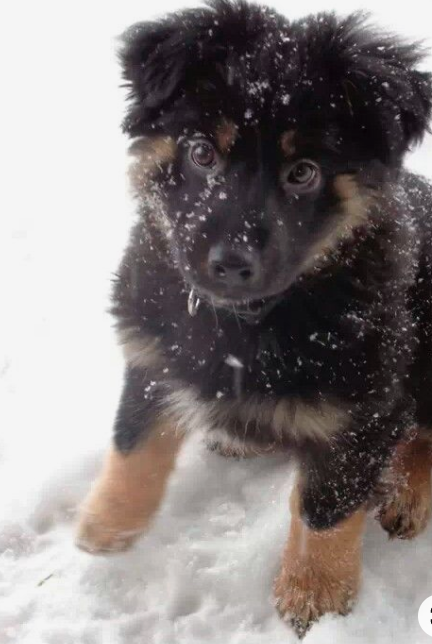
321, 570
127, 493
406, 510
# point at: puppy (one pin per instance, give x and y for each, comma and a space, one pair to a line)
276, 293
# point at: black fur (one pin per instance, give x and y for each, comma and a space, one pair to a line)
353, 329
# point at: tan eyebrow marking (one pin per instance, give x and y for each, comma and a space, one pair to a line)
226, 135
287, 142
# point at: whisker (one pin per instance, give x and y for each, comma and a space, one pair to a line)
215, 312
236, 315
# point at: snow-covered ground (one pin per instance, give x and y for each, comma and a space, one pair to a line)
203, 574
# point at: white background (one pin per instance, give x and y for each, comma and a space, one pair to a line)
204, 573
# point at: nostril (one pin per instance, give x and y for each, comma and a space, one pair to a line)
246, 274
232, 267
220, 270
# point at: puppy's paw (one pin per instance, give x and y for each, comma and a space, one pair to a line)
406, 514
96, 537
108, 525
303, 597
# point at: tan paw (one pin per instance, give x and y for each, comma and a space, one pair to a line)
407, 513
302, 598
95, 537
107, 525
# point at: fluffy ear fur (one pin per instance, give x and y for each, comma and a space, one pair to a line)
164, 60
153, 61
378, 78
395, 94
335, 66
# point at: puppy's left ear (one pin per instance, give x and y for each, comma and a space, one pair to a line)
416, 106
394, 95
387, 96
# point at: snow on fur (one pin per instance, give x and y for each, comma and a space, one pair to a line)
204, 572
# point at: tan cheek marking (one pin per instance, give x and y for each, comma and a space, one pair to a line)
287, 143
128, 492
354, 212
406, 509
321, 570
226, 135
345, 187
355, 203
156, 150
147, 156
140, 351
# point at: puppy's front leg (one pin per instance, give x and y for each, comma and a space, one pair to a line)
406, 508
322, 562
132, 483
321, 569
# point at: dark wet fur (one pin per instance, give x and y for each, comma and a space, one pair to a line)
356, 329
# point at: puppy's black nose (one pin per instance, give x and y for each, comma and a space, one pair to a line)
233, 267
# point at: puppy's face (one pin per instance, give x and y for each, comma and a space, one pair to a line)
246, 208
263, 150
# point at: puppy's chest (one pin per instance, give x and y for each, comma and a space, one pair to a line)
231, 360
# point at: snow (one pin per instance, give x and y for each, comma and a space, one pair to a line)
204, 571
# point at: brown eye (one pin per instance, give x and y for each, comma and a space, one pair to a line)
203, 155
303, 176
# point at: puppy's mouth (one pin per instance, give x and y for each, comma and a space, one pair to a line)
250, 311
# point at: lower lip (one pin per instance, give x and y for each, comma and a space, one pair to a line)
251, 307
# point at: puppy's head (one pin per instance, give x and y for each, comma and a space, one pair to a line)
261, 141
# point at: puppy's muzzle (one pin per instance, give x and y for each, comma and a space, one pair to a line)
233, 268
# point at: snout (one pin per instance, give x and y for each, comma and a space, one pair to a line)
233, 269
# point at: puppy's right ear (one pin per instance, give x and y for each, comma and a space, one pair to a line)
153, 58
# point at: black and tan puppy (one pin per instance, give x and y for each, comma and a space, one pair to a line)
276, 293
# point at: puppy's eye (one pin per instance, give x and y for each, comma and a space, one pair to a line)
302, 176
302, 173
203, 155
